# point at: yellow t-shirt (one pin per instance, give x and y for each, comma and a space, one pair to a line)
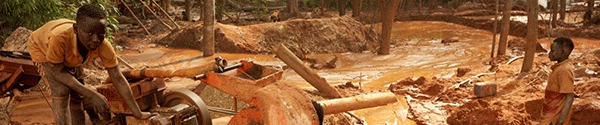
560, 81
56, 42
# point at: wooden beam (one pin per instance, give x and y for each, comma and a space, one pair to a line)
357, 102
135, 17
166, 14
154, 14
309, 75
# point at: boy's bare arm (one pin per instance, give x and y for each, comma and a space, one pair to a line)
124, 90
566, 108
55, 72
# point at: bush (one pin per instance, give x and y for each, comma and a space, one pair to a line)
34, 13
30, 13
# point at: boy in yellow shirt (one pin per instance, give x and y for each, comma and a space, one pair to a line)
558, 97
60, 47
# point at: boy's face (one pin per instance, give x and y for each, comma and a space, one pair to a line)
557, 52
91, 32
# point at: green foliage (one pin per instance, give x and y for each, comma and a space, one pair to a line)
30, 13
34, 13
262, 11
112, 15
310, 3
3, 37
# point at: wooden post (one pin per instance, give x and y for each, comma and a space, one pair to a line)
166, 4
356, 7
504, 28
494, 32
166, 14
293, 7
357, 102
563, 9
587, 17
154, 14
342, 7
388, 13
209, 28
188, 10
554, 16
532, 31
135, 17
309, 75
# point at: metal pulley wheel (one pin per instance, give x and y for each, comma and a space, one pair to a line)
183, 96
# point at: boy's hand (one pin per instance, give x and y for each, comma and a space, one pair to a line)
143, 115
99, 103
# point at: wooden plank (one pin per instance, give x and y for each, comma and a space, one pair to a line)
309, 75
7, 86
357, 102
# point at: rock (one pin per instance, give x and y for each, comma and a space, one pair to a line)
332, 63
322, 64
317, 66
585, 72
484, 89
447, 41
410, 81
462, 71
17, 41
586, 112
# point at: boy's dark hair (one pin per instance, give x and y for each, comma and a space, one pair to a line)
565, 42
90, 11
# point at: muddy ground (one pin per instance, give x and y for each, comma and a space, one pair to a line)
422, 69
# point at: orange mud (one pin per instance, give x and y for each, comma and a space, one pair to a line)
420, 70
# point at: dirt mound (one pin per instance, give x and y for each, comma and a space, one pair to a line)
329, 35
17, 41
586, 113
419, 87
479, 112
534, 109
588, 89
462, 71
518, 44
188, 37
349, 89
589, 57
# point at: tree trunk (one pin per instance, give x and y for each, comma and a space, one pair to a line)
588, 14
293, 7
532, 31
504, 28
356, 7
433, 4
563, 10
554, 12
495, 31
389, 10
188, 10
166, 4
209, 27
342, 7
220, 10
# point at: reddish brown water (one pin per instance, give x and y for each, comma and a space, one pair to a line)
418, 52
